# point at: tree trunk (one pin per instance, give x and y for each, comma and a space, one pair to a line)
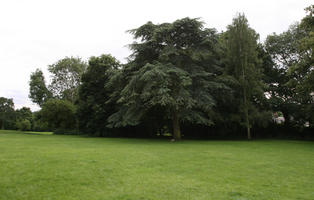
246, 107
176, 126
249, 133
244, 60
247, 121
2, 121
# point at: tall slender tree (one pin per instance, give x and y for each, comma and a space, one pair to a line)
243, 64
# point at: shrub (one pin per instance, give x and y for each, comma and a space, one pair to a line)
23, 125
59, 114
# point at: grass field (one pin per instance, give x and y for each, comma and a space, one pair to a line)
57, 167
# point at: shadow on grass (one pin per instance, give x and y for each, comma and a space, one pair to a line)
24, 132
37, 133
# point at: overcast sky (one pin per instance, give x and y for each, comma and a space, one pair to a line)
36, 33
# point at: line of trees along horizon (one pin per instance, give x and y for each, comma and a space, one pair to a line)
187, 80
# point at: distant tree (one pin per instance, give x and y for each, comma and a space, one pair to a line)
172, 71
24, 113
66, 77
93, 109
302, 72
292, 53
23, 125
282, 49
305, 68
7, 114
24, 118
59, 114
38, 91
39, 124
243, 64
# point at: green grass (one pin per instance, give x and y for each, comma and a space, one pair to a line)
57, 167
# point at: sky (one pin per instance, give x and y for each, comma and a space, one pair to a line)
37, 33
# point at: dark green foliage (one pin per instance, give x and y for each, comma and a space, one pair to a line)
7, 114
23, 125
172, 68
281, 48
66, 77
303, 71
183, 77
24, 113
38, 91
38, 123
24, 119
292, 53
93, 109
59, 114
243, 64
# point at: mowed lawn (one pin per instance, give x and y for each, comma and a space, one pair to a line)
60, 167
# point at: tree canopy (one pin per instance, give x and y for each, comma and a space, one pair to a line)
173, 68
186, 80
59, 114
7, 118
93, 110
243, 64
38, 91
66, 77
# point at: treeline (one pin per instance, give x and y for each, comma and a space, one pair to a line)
183, 79
19, 119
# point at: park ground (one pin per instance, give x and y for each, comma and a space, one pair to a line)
52, 167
